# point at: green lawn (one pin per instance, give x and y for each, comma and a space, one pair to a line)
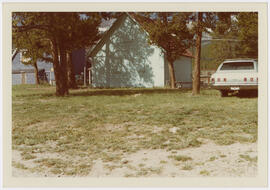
108, 123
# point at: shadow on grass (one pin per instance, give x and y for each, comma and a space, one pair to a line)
102, 92
245, 95
123, 92
119, 92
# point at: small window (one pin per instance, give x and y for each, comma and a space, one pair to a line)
238, 66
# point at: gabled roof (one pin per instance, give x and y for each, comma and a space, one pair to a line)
106, 24
107, 35
135, 18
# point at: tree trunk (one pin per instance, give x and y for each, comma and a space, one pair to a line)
36, 73
63, 66
196, 71
172, 74
71, 76
60, 70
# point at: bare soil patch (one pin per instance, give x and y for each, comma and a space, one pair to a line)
209, 159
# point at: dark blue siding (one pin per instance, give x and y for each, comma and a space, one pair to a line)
78, 61
16, 79
30, 78
17, 65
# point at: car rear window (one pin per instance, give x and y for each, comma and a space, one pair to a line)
237, 66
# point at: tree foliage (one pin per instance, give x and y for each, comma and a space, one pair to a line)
169, 31
56, 34
205, 22
62, 32
236, 37
32, 49
247, 23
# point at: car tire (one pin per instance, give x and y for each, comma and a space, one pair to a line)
224, 93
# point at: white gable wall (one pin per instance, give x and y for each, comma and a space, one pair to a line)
128, 60
157, 63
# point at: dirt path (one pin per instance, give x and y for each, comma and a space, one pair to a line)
207, 160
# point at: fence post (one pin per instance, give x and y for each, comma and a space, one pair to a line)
23, 77
89, 70
84, 76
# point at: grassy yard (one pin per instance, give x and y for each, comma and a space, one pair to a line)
107, 124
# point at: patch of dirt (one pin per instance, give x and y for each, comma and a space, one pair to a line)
30, 164
136, 95
17, 172
173, 129
33, 167
156, 129
222, 161
18, 102
118, 127
110, 127
245, 135
48, 100
98, 169
209, 159
41, 126
134, 136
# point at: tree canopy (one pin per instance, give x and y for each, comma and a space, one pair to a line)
168, 30
50, 36
235, 38
61, 32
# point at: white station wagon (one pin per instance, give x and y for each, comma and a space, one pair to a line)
236, 75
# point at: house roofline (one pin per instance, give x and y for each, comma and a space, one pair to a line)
114, 27
107, 34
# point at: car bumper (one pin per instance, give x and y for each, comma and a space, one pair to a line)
235, 87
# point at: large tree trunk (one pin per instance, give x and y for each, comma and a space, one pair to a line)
63, 66
71, 75
60, 70
36, 73
196, 71
172, 74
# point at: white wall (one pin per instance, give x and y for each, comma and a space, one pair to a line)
128, 60
157, 64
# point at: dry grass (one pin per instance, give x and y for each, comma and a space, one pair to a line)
182, 158
105, 124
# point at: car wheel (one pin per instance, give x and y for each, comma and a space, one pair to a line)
224, 93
